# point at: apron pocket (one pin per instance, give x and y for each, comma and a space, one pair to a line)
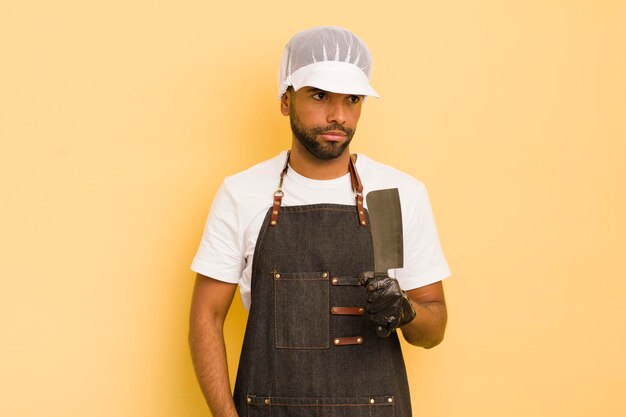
301, 310
376, 406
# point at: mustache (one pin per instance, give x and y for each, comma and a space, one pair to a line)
333, 126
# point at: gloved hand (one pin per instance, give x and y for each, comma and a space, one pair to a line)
388, 306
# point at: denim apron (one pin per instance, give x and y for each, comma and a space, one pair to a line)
309, 350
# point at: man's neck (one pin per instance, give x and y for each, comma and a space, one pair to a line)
307, 165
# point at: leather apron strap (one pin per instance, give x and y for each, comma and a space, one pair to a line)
357, 188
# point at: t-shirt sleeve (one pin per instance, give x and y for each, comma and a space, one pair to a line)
424, 262
220, 254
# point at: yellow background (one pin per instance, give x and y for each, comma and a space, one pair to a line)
119, 119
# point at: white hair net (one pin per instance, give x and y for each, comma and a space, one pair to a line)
329, 58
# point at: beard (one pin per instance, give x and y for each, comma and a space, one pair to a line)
307, 138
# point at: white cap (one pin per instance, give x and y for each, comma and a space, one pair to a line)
329, 58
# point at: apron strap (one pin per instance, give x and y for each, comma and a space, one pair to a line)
278, 194
357, 187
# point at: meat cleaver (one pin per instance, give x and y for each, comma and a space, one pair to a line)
386, 224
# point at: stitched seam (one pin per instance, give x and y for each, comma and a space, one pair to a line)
328, 312
322, 209
329, 405
255, 255
304, 275
275, 313
381, 401
300, 347
300, 279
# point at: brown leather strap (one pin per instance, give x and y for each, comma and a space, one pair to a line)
275, 209
278, 195
354, 281
350, 340
357, 186
347, 311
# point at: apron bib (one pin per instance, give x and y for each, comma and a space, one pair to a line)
309, 350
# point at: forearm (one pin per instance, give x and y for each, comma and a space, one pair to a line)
208, 352
429, 325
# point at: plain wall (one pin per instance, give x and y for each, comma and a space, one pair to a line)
119, 120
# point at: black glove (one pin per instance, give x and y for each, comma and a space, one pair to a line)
388, 306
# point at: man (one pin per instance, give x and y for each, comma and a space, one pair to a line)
293, 232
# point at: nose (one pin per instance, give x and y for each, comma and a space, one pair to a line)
337, 112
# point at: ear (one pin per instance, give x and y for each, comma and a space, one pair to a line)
284, 102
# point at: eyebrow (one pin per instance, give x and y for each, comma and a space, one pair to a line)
318, 90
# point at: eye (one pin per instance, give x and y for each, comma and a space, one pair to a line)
354, 99
319, 95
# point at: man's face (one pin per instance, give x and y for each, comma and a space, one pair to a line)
321, 121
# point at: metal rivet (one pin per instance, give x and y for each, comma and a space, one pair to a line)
276, 203
361, 310
336, 341
325, 275
361, 212
372, 401
359, 340
273, 222
274, 212
334, 310
380, 328
276, 275
363, 222
389, 400
267, 401
360, 202
249, 400
335, 281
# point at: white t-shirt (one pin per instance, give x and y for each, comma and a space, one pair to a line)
239, 207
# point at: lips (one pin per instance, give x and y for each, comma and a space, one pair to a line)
333, 135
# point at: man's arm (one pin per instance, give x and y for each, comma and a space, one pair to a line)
429, 325
209, 306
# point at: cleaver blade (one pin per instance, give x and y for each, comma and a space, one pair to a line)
386, 225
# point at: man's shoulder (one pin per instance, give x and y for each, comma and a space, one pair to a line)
258, 177
377, 175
